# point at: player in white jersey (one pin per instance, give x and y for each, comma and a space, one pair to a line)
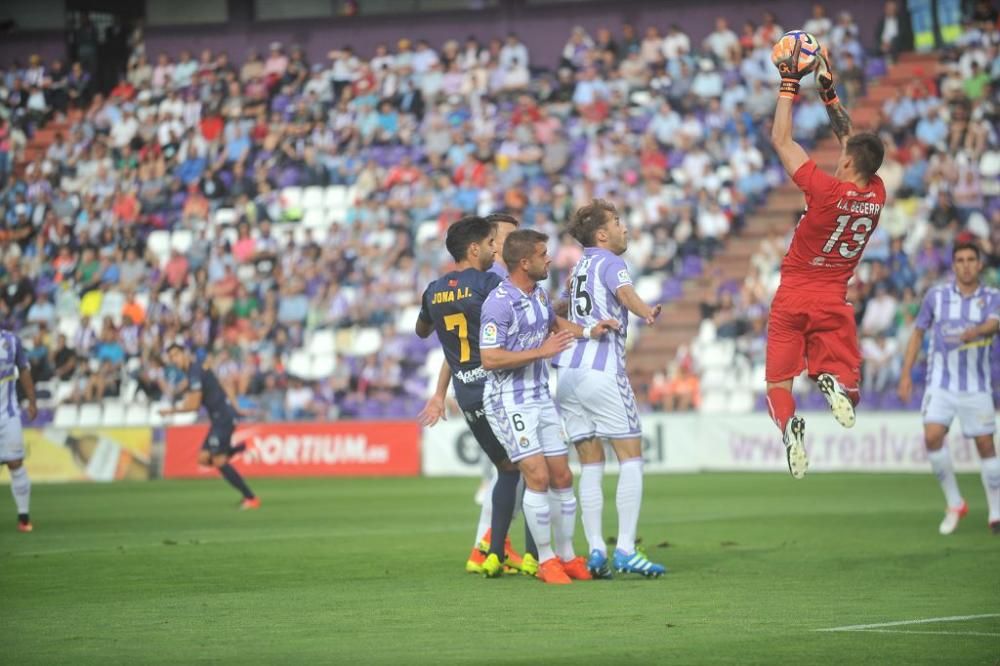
14, 366
518, 333
963, 317
594, 395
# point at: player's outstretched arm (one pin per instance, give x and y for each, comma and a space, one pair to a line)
192, 403
598, 330
495, 358
987, 329
905, 390
840, 120
791, 154
634, 303
435, 410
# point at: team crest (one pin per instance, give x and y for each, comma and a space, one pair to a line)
540, 295
490, 334
524, 442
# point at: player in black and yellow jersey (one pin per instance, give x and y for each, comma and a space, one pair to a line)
451, 306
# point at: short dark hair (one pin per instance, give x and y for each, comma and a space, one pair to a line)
498, 217
468, 230
521, 245
867, 151
174, 345
588, 219
966, 243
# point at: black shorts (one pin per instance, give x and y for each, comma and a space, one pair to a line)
481, 430
219, 439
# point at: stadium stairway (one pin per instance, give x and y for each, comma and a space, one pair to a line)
681, 318
44, 137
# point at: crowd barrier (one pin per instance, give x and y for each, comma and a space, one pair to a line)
879, 442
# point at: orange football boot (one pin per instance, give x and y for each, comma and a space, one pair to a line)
551, 571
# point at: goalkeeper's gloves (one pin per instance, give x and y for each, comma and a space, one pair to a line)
785, 56
825, 82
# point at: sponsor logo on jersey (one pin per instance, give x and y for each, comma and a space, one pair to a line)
490, 334
470, 376
818, 261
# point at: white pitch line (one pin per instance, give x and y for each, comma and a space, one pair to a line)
929, 633
952, 618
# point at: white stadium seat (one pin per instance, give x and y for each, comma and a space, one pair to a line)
181, 240
366, 341
312, 197
90, 415
406, 318
158, 242
322, 341
335, 197
427, 231
322, 365
714, 402
68, 326
137, 414
315, 217
66, 416
225, 217
113, 413
291, 197
299, 364
649, 288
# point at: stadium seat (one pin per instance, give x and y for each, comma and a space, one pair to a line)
62, 391
299, 364
718, 354
181, 240
427, 231
158, 242
322, 341
312, 197
291, 197
113, 413
184, 418
406, 318
137, 414
741, 402
322, 365
68, 326
649, 288
366, 341
224, 217
66, 416
229, 234
154, 418
315, 217
706, 332
714, 402
90, 415
716, 377
335, 197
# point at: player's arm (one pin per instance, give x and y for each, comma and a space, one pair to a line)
987, 329
503, 359
435, 410
598, 330
925, 317
28, 384
840, 120
786, 58
628, 297
191, 403
425, 325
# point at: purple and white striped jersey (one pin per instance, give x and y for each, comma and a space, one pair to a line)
12, 359
951, 364
593, 297
516, 321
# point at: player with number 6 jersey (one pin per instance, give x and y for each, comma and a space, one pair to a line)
811, 325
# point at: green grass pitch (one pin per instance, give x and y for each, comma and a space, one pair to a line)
371, 571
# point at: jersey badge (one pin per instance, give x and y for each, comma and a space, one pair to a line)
490, 334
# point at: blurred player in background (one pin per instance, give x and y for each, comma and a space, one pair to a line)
594, 395
519, 332
963, 317
452, 305
811, 325
14, 367
204, 390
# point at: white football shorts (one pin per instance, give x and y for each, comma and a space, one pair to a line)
597, 404
526, 429
975, 411
11, 439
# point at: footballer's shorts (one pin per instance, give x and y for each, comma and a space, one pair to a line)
219, 440
597, 404
475, 416
526, 429
809, 331
975, 411
11, 439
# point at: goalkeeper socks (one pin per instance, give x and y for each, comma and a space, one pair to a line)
941, 464
781, 406
504, 496
20, 488
592, 505
539, 521
853, 394
629, 500
486, 513
563, 506
991, 484
230, 474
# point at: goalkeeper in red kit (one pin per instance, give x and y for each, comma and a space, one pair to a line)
811, 325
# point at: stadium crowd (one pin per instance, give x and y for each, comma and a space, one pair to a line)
182, 204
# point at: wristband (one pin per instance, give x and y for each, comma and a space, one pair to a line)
789, 89
587, 331
829, 97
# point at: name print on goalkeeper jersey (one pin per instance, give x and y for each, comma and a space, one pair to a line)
453, 304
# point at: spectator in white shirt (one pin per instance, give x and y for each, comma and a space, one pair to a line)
424, 58
880, 312
723, 43
514, 51
819, 24
676, 43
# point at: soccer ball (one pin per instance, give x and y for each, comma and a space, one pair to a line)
808, 50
